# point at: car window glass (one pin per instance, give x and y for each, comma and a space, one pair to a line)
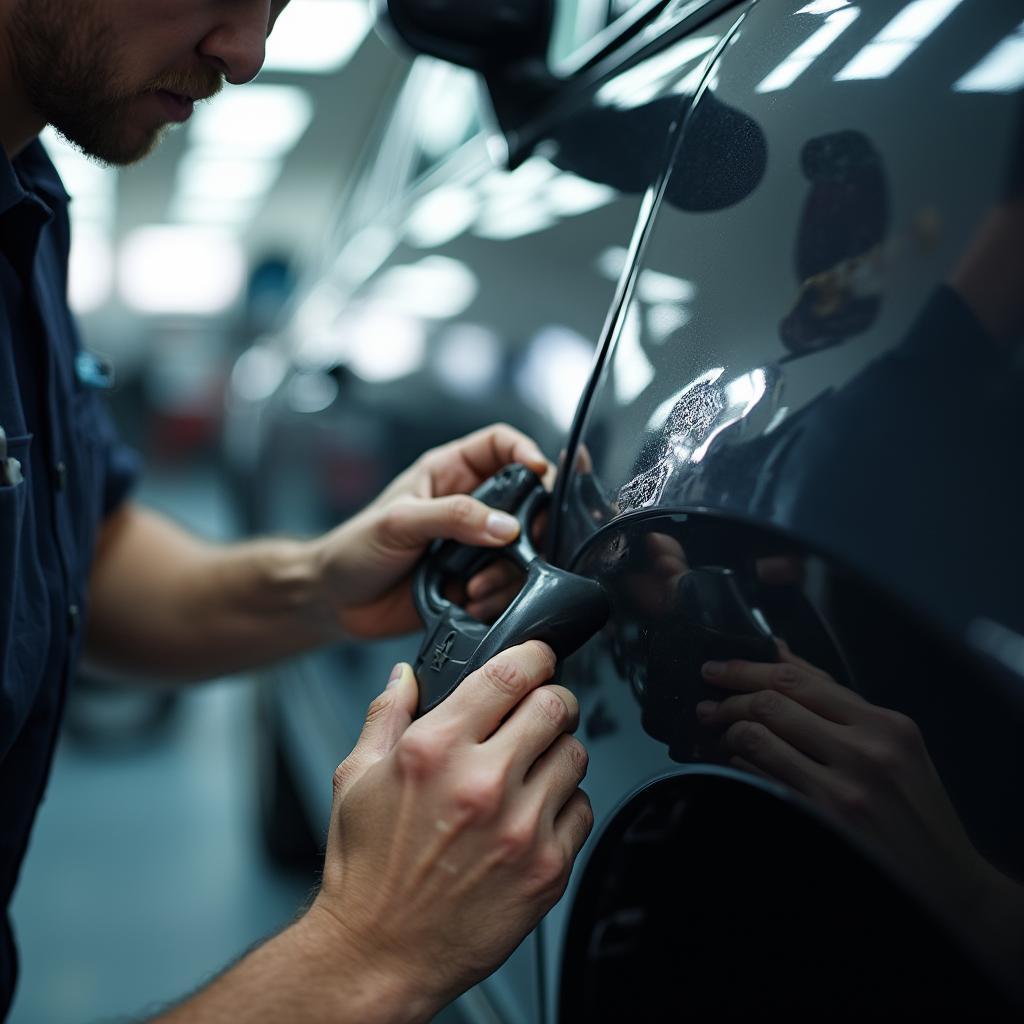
579, 21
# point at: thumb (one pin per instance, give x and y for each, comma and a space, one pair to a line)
387, 717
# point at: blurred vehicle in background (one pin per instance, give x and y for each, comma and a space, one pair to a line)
697, 247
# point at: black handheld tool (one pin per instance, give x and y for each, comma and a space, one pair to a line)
560, 608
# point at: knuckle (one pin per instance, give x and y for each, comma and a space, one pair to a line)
344, 775
767, 705
462, 510
550, 870
516, 840
378, 706
851, 799
506, 676
479, 798
902, 729
785, 676
550, 707
418, 753
577, 756
749, 738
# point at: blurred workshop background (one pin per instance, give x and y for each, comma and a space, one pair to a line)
289, 295
147, 872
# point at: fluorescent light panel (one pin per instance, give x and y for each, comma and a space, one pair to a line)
178, 269
258, 120
317, 35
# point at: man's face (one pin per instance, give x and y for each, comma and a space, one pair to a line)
112, 74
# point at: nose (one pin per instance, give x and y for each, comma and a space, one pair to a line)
236, 45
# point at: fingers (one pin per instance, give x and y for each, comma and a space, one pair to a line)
556, 775
809, 733
798, 680
535, 726
752, 743
574, 824
411, 523
387, 718
464, 464
479, 705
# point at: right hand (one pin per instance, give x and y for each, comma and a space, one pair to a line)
453, 835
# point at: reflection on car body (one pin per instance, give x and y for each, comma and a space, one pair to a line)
796, 241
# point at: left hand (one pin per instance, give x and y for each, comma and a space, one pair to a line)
364, 565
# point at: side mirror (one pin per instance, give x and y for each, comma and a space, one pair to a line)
505, 40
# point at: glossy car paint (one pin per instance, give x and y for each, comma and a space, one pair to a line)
809, 411
803, 284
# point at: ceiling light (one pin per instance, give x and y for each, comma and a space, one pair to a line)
569, 195
90, 269
317, 35
232, 178
202, 210
259, 120
435, 288
168, 269
441, 216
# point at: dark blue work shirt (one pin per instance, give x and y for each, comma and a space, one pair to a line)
74, 473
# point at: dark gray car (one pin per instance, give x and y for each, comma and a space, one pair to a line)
792, 235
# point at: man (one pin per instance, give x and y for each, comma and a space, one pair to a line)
451, 836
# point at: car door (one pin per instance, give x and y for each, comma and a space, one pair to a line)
804, 424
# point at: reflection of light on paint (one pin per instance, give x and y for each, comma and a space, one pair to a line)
653, 286
776, 420
998, 642
1002, 70
741, 395
807, 52
664, 410
554, 372
632, 370
436, 287
569, 195
898, 40
441, 216
654, 77
468, 359
611, 262
823, 6
664, 319
525, 216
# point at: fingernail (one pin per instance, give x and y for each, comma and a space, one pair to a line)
713, 669
706, 708
396, 674
502, 526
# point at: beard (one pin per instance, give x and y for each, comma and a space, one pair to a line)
66, 63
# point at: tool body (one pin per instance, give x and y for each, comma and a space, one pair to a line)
558, 607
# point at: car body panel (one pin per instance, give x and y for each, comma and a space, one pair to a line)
808, 374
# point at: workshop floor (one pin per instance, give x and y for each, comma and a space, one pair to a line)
144, 875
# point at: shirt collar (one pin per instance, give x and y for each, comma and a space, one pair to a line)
30, 171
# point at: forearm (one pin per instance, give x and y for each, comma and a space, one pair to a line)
305, 975
167, 605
